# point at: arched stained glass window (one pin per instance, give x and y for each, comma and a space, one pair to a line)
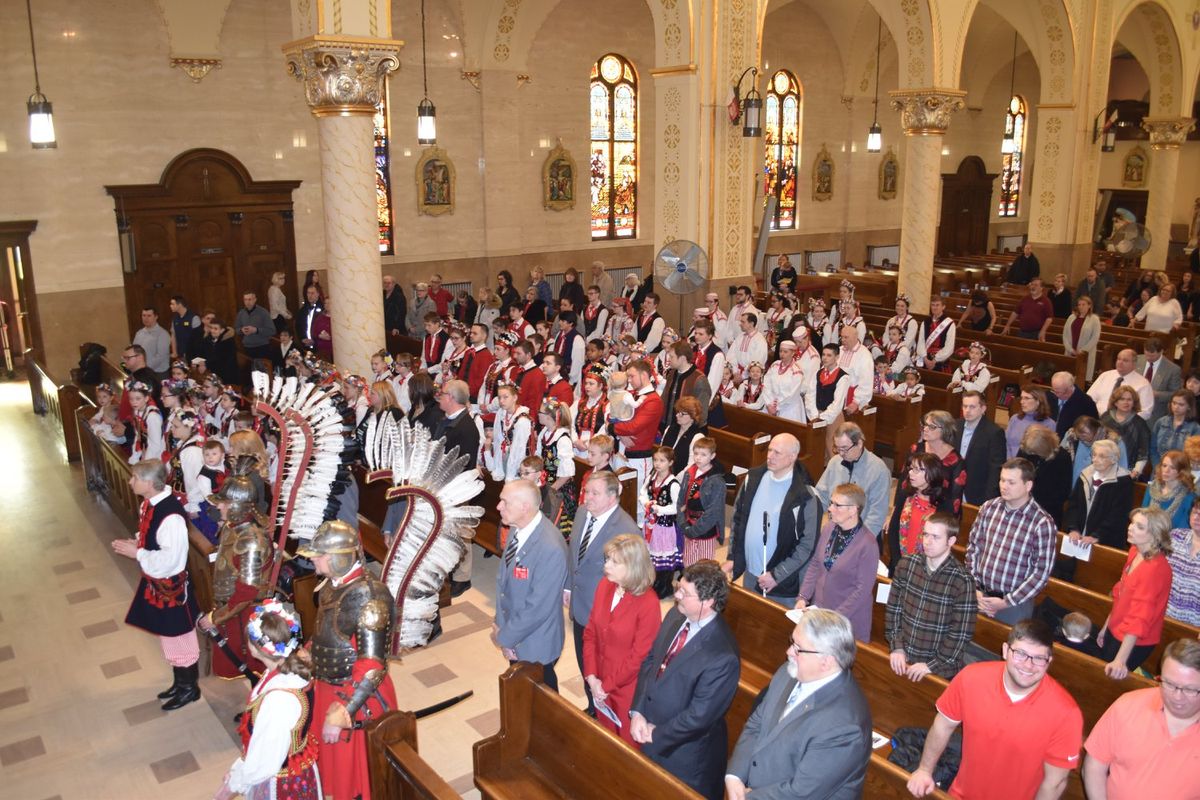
1013, 151
781, 133
383, 181
613, 159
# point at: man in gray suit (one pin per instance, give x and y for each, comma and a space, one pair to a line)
592, 530
1163, 373
810, 734
529, 583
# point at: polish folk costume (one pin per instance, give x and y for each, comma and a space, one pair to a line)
935, 343
638, 435
559, 458
662, 535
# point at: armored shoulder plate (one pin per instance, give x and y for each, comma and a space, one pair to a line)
361, 609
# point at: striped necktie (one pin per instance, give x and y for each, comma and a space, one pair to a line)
587, 537
510, 552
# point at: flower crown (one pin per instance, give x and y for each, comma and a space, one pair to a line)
105, 387
600, 372
185, 417
846, 284
670, 333
980, 346
905, 298
179, 364
233, 394
138, 386
288, 614
815, 303
358, 382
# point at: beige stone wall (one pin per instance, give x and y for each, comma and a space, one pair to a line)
1187, 188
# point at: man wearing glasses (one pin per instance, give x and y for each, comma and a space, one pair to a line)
852, 462
1022, 731
1146, 743
811, 734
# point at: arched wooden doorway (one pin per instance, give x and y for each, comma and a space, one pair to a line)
966, 209
207, 231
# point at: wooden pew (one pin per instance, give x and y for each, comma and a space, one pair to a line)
564, 754
397, 771
57, 401
813, 452
899, 426
763, 631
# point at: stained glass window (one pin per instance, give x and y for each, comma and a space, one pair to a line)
781, 134
1010, 167
383, 181
613, 158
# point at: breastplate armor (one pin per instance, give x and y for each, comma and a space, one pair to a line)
245, 554
363, 609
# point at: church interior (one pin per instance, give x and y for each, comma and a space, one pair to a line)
199, 148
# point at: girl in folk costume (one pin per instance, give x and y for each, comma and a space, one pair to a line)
500, 371
381, 366
279, 740
827, 389
512, 436
822, 326
542, 331
187, 459
779, 319
620, 322
209, 482
883, 377
659, 498
935, 337
590, 412
174, 395
845, 295
896, 354
906, 322
910, 387
221, 421
148, 441
728, 390
973, 374
850, 316
750, 393
452, 359
622, 350
104, 422
702, 503
401, 374
354, 389
554, 444
662, 361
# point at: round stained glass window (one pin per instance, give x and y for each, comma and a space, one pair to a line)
610, 69
782, 84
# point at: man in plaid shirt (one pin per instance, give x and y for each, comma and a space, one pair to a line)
1011, 550
931, 606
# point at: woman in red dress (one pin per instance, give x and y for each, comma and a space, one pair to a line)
621, 630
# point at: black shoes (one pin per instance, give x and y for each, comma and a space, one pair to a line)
174, 687
459, 588
189, 688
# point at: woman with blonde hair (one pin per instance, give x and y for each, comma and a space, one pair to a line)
1081, 333
1122, 416
277, 302
1134, 627
1172, 488
621, 629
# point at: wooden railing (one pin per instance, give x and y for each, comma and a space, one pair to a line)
57, 401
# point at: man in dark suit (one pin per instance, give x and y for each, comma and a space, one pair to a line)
981, 444
459, 429
1070, 402
774, 558
530, 582
603, 519
687, 683
1164, 375
395, 308
810, 735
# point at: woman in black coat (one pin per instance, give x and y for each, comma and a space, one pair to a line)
507, 293
683, 429
535, 310
218, 348
1052, 470
572, 290
1098, 511
424, 410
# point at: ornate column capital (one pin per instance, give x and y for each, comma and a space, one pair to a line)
1167, 133
926, 112
342, 75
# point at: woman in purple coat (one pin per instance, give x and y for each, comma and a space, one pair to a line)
842, 574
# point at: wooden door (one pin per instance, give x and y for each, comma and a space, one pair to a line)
966, 209
207, 231
21, 328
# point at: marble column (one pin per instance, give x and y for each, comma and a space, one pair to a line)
343, 80
1166, 135
925, 115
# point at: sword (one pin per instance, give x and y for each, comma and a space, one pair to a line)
219, 639
419, 713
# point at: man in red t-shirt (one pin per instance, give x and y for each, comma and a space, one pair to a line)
1033, 315
441, 297
1022, 731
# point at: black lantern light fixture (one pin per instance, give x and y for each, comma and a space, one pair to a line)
1104, 130
1008, 145
426, 113
748, 111
875, 134
41, 113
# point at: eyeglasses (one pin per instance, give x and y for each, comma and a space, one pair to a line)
1190, 692
929, 426
843, 505
844, 450
795, 648
1021, 657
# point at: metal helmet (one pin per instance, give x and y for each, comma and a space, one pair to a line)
338, 539
240, 496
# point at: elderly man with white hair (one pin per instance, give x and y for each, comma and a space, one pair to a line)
775, 524
855, 360
1123, 374
720, 320
783, 385
1070, 401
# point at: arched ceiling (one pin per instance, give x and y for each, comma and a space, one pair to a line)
1147, 32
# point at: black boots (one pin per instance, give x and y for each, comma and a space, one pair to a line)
174, 687
189, 687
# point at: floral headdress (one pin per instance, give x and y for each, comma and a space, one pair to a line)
980, 346
284, 611
598, 371
902, 296
816, 302
358, 382
846, 284
185, 417
507, 339
180, 364
139, 386
105, 387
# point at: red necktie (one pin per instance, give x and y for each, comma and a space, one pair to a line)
1149, 370
676, 646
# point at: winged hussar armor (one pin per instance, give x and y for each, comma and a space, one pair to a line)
429, 541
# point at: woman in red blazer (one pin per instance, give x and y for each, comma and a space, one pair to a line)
621, 630
1134, 626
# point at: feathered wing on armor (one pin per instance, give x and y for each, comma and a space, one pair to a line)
429, 541
313, 451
